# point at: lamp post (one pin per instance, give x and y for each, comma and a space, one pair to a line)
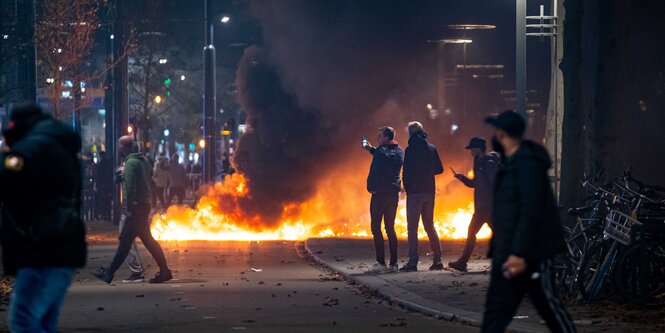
441, 67
209, 95
465, 28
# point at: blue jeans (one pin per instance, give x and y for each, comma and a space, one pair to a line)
36, 298
417, 205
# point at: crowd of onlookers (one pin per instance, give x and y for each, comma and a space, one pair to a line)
173, 182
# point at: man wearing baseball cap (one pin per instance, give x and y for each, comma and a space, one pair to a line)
485, 167
527, 232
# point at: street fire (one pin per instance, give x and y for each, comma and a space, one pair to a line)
217, 217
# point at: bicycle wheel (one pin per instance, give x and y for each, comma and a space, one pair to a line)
629, 274
590, 267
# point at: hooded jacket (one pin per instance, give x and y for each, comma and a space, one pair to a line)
484, 170
41, 167
384, 172
525, 220
136, 189
421, 164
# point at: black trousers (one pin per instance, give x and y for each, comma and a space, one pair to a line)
138, 225
479, 218
504, 297
175, 192
383, 206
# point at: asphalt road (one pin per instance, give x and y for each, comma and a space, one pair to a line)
216, 290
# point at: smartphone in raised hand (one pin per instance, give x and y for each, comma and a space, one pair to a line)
365, 142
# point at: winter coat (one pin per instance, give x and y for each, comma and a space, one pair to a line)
384, 172
484, 173
421, 164
525, 220
40, 177
136, 189
161, 172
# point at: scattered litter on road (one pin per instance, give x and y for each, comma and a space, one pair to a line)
100, 309
140, 295
256, 270
520, 317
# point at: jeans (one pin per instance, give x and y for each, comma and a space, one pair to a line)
417, 205
133, 260
36, 298
138, 225
383, 206
479, 218
504, 297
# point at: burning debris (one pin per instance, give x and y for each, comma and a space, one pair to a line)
301, 172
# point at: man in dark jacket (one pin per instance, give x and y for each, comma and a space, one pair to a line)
384, 183
485, 167
421, 164
136, 197
527, 232
43, 237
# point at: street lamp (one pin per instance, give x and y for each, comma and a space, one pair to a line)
209, 95
465, 28
441, 64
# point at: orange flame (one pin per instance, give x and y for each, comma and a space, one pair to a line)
318, 217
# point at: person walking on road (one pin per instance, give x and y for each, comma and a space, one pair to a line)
160, 175
177, 180
421, 164
384, 183
527, 232
42, 234
485, 167
136, 205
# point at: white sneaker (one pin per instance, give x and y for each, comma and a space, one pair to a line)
377, 268
393, 269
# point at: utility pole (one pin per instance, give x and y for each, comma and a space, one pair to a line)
520, 68
209, 99
116, 119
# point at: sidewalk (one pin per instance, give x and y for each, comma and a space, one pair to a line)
457, 296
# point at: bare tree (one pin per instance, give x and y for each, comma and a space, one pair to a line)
65, 39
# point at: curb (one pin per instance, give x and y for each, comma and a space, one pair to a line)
413, 301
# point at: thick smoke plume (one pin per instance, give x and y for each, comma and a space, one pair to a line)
328, 73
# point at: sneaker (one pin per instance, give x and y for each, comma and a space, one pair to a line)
134, 278
103, 275
458, 265
377, 268
436, 266
161, 277
409, 268
393, 268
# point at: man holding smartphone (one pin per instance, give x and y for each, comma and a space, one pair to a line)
384, 183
